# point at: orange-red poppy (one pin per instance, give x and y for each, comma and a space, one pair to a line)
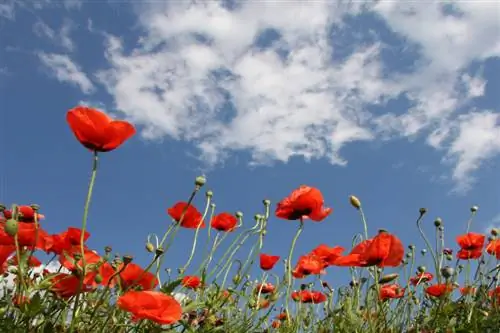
191, 282
28, 234
493, 248
421, 278
307, 265
96, 130
187, 215
468, 290
224, 222
328, 254
133, 275
304, 202
67, 241
471, 245
267, 261
391, 291
66, 285
265, 288
152, 305
26, 214
384, 250
438, 290
307, 296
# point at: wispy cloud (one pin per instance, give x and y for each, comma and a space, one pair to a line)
65, 70
494, 223
61, 37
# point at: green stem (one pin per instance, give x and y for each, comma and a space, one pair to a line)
82, 237
428, 244
289, 267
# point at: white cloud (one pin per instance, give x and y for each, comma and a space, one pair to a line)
67, 71
198, 74
7, 9
494, 223
61, 37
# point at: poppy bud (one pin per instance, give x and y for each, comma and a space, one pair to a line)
422, 211
266, 202
438, 222
381, 231
447, 272
108, 249
449, 257
408, 255
180, 271
239, 214
150, 247
200, 181
35, 207
474, 209
127, 259
274, 297
209, 194
494, 231
98, 278
421, 269
257, 217
355, 202
388, 278
411, 247
353, 283
11, 227
423, 251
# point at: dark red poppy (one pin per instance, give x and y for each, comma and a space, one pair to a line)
421, 278
328, 254
191, 282
267, 261
264, 288
133, 275
391, 291
384, 250
307, 296
26, 214
152, 305
97, 131
493, 248
307, 265
304, 202
191, 219
438, 290
224, 222
471, 245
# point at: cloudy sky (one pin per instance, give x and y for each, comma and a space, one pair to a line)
396, 102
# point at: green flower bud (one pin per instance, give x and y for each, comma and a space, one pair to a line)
422, 211
98, 278
150, 247
474, 209
388, 278
239, 214
209, 194
200, 181
11, 227
266, 202
421, 269
438, 222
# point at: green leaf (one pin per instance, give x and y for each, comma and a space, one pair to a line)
169, 288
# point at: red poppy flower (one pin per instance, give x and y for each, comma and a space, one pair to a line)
468, 290
95, 265
153, 305
97, 131
27, 235
421, 278
66, 285
67, 241
276, 324
33, 261
133, 275
192, 217
384, 250
307, 296
328, 254
26, 214
191, 282
307, 265
265, 288
5, 252
438, 290
493, 248
224, 222
304, 202
471, 245
391, 291
267, 261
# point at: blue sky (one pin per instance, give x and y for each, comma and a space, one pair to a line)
396, 103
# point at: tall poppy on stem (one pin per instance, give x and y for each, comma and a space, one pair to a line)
471, 245
100, 133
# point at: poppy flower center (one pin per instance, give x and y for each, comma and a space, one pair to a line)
298, 213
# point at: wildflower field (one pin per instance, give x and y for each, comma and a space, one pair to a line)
95, 291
